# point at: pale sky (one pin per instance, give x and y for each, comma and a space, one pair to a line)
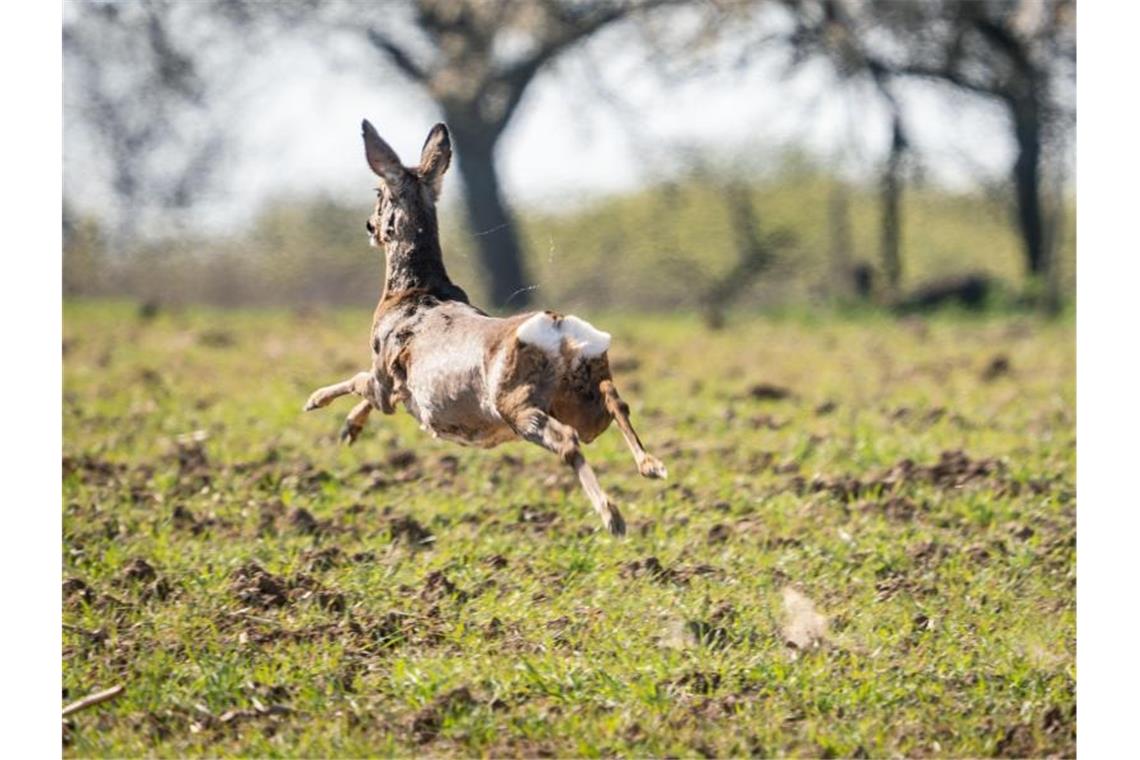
298, 115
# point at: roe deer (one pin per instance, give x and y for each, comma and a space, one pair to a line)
465, 376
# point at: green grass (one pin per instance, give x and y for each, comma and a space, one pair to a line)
524, 630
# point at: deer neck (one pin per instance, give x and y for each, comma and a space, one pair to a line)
415, 264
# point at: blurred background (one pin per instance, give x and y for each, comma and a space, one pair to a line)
710, 156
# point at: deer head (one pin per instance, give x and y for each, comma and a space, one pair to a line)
405, 195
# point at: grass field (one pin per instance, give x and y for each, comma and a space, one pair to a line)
866, 546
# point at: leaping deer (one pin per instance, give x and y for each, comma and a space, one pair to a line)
466, 376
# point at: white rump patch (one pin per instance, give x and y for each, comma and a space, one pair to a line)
540, 331
584, 339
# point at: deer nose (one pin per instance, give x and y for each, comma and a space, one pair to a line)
368, 226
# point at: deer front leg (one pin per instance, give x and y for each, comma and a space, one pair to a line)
361, 384
648, 465
354, 422
536, 426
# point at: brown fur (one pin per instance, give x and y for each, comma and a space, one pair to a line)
464, 375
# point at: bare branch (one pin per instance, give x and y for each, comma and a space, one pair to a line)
397, 55
94, 699
566, 31
950, 76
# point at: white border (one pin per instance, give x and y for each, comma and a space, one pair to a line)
30, 197
1108, 289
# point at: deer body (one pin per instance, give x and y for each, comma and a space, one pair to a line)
465, 376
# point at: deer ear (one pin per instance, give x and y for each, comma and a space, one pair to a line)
435, 158
383, 160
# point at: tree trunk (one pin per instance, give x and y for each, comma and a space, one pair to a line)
839, 228
488, 217
890, 236
1027, 181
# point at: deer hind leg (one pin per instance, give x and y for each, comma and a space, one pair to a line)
647, 464
538, 427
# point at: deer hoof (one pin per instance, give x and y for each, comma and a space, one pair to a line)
349, 433
651, 467
613, 520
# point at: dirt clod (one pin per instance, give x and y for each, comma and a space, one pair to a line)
437, 586
253, 584
409, 531
302, 521
74, 588
323, 559
997, 367
826, 408
139, 570
769, 392
804, 627
719, 533
428, 721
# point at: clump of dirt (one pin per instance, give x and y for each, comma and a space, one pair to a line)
268, 513
998, 366
190, 453
787, 467
891, 581
1017, 741
318, 560
184, 519
696, 682
427, 722
148, 310
536, 519
769, 392
497, 561
311, 479
448, 465
252, 584
719, 533
407, 530
954, 469
75, 589
139, 572
401, 459
139, 569
302, 521
826, 408
688, 634
438, 586
804, 627
898, 508
651, 568
94, 470
391, 630
926, 552
843, 487
768, 422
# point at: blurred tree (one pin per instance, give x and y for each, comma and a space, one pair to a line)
481, 56
1018, 53
475, 59
132, 71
